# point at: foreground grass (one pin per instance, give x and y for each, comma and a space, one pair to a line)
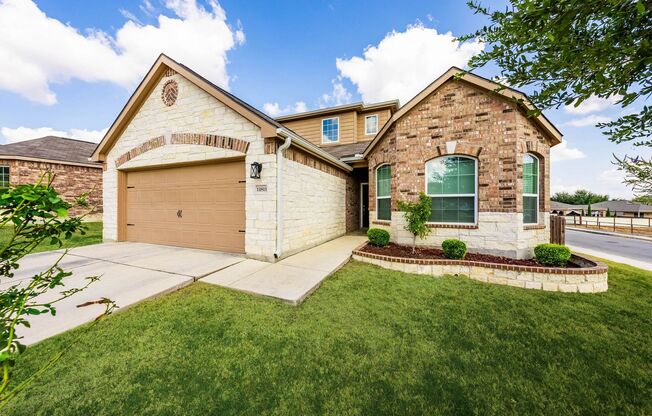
369, 341
93, 236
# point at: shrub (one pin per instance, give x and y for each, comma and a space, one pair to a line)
417, 215
378, 237
454, 249
552, 254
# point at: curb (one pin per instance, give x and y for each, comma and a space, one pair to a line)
630, 236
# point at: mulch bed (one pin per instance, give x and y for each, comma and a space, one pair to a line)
396, 250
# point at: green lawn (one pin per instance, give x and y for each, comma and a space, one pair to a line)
369, 341
93, 236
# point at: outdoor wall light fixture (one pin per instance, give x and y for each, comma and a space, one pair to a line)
256, 168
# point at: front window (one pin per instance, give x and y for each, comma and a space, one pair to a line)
530, 189
4, 177
451, 184
384, 192
330, 130
371, 125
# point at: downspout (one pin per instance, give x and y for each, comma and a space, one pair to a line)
279, 196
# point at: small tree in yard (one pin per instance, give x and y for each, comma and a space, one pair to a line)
417, 215
33, 214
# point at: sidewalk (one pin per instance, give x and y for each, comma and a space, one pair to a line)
292, 279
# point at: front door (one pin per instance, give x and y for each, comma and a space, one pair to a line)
364, 205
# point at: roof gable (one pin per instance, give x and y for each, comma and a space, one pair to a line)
508, 93
267, 125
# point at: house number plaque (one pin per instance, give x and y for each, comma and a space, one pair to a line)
261, 188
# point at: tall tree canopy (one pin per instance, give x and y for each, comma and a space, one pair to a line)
580, 197
571, 50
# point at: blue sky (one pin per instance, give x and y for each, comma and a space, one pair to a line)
71, 65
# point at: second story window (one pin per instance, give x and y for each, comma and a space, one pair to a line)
371, 124
330, 130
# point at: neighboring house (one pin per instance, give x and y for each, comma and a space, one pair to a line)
67, 159
562, 208
189, 164
624, 209
599, 209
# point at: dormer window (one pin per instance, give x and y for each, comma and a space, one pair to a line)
330, 130
371, 125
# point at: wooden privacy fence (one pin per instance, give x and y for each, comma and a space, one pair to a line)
557, 229
630, 225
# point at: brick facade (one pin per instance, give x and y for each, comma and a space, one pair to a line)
461, 119
69, 180
483, 126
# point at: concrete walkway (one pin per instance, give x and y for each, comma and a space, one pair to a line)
130, 273
291, 279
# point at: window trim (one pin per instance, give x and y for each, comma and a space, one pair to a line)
367, 133
536, 217
8, 176
474, 195
338, 130
383, 197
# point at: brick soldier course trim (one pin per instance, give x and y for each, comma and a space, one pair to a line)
212, 140
303, 157
150, 144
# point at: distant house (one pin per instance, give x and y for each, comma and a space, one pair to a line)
68, 159
625, 209
599, 209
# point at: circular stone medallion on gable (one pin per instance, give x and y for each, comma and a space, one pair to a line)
169, 92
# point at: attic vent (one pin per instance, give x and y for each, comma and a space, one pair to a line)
169, 92
169, 72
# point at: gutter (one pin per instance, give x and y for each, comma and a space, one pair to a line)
279, 196
312, 149
292, 138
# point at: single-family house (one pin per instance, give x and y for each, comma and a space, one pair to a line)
68, 160
187, 163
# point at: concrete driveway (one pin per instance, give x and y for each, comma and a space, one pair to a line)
130, 273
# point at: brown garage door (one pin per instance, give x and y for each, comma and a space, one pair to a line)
199, 206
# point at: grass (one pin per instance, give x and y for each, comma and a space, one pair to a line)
93, 236
369, 341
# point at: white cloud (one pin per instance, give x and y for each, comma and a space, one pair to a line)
20, 134
338, 96
611, 182
275, 110
563, 152
592, 104
404, 63
37, 51
591, 120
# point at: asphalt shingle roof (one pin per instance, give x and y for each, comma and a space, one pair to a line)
51, 148
346, 150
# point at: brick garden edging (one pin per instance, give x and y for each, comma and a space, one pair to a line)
592, 279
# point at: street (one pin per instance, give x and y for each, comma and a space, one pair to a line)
639, 250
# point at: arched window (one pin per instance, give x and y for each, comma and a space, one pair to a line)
451, 183
384, 192
530, 189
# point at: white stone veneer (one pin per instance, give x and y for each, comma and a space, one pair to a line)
315, 207
497, 233
524, 277
195, 111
